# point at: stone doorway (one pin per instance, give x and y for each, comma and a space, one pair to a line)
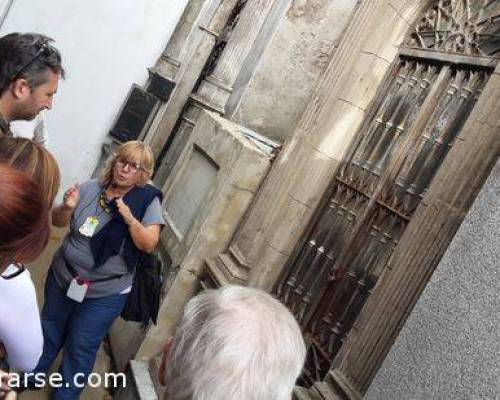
412, 125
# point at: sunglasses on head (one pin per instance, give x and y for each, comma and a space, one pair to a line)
43, 48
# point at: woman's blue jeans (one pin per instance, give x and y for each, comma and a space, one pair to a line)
77, 329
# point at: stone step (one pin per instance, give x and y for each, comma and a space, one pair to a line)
139, 384
319, 391
300, 393
325, 391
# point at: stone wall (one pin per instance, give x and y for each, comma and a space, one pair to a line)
450, 345
292, 62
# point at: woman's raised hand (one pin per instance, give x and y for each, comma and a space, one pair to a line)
71, 196
125, 212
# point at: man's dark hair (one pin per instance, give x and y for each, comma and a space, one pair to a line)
28, 56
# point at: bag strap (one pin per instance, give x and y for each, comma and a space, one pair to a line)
74, 274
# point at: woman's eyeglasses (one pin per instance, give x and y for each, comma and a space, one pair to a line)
134, 167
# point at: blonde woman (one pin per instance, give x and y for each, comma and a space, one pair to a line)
113, 222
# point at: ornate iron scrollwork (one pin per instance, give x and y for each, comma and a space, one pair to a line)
460, 26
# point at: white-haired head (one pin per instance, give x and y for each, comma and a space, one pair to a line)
235, 343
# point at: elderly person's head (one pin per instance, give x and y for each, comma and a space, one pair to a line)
234, 343
132, 164
35, 161
24, 218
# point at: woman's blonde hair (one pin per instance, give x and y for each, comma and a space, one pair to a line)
35, 161
132, 151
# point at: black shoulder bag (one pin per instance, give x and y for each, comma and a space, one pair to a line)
143, 301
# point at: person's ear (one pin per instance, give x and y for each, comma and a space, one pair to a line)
20, 88
165, 357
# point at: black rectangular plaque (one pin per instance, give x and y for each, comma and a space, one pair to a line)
134, 115
159, 86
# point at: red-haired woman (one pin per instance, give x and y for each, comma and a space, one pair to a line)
23, 236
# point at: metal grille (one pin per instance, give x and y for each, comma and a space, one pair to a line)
414, 122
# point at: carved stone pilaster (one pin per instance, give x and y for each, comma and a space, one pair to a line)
194, 58
218, 86
169, 62
319, 391
227, 268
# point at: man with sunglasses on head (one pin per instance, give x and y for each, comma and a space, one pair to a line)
30, 69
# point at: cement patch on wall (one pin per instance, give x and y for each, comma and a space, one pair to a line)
450, 346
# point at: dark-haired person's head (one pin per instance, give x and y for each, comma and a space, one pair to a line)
34, 160
30, 70
24, 218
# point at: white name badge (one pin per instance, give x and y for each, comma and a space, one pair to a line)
89, 226
77, 290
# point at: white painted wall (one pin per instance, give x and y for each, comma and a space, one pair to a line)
106, 46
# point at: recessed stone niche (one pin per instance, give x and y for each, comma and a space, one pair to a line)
209, 189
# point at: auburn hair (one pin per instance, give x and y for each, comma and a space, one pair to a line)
24, 217
34, 160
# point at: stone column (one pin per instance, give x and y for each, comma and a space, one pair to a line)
218, 86
168, 64
194, 57
307, 163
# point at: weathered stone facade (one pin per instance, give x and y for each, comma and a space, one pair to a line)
283, 81
303, 76
237, 80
